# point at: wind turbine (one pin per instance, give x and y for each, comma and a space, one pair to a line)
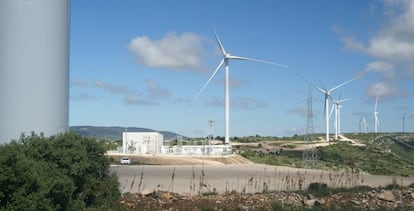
327, 94
362, 121
225, 61
403, 119
376, 121
337, 106
360, 125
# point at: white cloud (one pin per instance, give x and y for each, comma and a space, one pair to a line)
182, 52
247, 103
244, 103
384, 90
79, 83
155, 91
392, 46
111, 88
136, 100
395, 41
82, 97
353, 45
384, 68
150, 97
302, 112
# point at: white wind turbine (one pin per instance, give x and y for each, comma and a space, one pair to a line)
337, 107
403, 119
376, 121
362, 121
225, 61
327, 94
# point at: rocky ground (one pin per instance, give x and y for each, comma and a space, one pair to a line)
372, 199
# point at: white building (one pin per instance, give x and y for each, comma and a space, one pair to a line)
142, 142
153, 143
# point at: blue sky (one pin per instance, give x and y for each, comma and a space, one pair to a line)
141, 63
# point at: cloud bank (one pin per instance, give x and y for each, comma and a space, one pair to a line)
244, 103
173, 52
153, 95
395, 41
392, 48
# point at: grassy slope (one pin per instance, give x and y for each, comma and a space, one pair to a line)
380, 156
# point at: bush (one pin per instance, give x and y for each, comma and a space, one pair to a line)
318, 189
63, 172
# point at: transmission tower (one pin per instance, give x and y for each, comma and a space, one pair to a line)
310, 154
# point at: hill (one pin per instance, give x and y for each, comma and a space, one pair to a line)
115, 133
378, 154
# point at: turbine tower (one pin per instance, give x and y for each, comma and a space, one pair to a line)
362, 123
365, 125
34, 67
403, 119
225, 61
337, 107
376, 121
327, 94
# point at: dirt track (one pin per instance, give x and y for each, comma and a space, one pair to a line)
239, 178
184, 160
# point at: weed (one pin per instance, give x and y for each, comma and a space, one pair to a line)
140, 188
172, 181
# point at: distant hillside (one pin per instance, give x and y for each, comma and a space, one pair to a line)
114, 133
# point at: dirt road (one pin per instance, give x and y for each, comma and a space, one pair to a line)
240, 178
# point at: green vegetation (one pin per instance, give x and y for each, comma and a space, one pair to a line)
322, 189
293, 158
63, 172
383, 154
258, 138
373, 158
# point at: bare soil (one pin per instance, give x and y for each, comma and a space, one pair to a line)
369, 200
183, 160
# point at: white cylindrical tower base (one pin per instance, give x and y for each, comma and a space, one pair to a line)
34, 67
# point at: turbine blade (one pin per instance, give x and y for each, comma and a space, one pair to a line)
322, 85
376, 102
342, 84
218, 40
376, 118
257, 60
208, 81
330, 113
333, 100
340, 101
316, 87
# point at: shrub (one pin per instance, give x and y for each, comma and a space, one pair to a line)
318, 189
63, 172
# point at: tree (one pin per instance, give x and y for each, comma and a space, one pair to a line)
62, 172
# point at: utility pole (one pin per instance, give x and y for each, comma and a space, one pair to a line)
310, 154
